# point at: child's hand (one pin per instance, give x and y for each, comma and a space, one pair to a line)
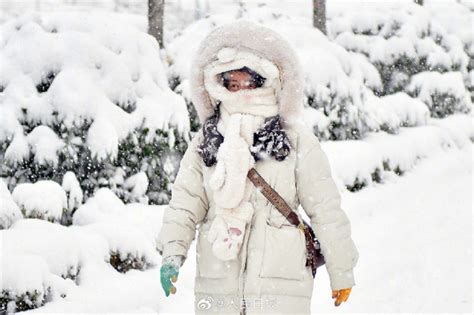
169, 273
341, 295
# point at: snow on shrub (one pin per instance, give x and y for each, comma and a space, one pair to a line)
9, 211
400, 41
334, 82
137, 185
78, 95
131, 246
25, 283
411, 111
74, 195
104, 206
444, 93
383, 117
42, 261
50, 241
44, 200
381, 155
128, 246
456, 17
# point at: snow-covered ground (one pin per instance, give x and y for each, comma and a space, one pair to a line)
414, 234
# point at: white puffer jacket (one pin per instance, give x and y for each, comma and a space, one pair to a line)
270, 272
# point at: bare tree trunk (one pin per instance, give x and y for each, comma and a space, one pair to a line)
242, 10
420, 2
319, 15
156, 9
207, 8
197, 10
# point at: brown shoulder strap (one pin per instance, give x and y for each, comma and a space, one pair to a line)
273, 196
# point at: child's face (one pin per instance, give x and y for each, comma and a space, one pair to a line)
240, 80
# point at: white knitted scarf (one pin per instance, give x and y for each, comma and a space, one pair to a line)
241, 114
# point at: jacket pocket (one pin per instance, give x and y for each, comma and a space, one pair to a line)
208, 265
284, 253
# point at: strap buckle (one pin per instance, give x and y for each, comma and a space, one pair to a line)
301, 226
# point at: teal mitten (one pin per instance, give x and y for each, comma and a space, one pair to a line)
169, 273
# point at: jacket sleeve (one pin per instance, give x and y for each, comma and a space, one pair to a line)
321, 200
188, 205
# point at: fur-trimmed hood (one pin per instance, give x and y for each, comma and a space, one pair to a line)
258, 40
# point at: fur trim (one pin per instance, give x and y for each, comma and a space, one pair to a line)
271, 140
261, 101
263, 42
212, 139
243, 58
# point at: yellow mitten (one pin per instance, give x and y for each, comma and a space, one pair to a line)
341, 295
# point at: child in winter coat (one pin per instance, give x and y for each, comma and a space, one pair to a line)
247, 88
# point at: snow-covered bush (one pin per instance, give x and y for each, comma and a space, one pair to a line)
148, 163
45, 239
42, 261
380, 155
9, 211
45, 200
400, 41
130, 246
410, 111
25, 283
334, 83
74, 195
77, 95
444, 93
457, 18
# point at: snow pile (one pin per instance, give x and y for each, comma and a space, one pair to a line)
76, 95
44, 200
